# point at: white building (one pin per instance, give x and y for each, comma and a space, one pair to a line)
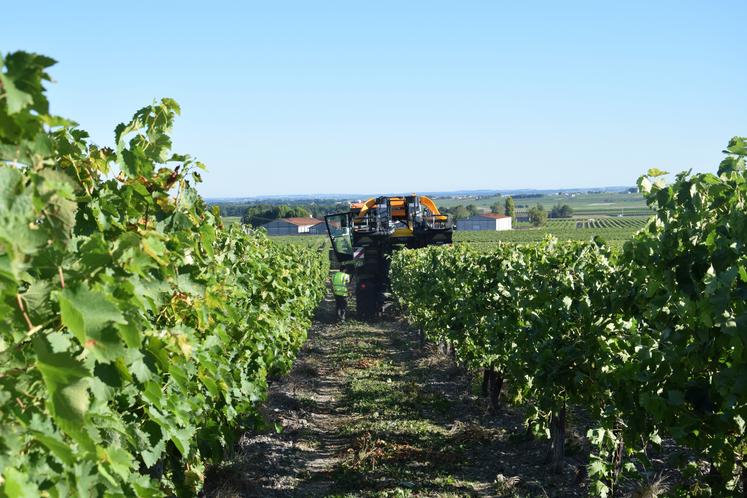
489, 221
291, 226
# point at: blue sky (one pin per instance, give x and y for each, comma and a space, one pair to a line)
330, 97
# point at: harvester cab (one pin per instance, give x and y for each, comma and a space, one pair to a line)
366, 235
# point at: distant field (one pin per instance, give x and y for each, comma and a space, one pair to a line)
315, 241
614, 231
632, 223
584, 205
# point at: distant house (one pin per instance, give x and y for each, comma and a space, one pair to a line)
489, 221
291, 226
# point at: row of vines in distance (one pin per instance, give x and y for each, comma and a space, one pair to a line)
650, 342
136, 331
487, 240
632, 223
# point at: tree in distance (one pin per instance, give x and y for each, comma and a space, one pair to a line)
459, 212
260, 214
564, 211
537, 215
509, 208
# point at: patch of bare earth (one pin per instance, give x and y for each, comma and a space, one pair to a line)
367, 412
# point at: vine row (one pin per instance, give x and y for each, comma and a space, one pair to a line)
136, 331
650, 341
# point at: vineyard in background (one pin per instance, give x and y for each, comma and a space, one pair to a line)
587, 203
136, 330
615, 231
649, 342
318, 242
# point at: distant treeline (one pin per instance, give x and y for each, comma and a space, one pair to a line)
259, 213
460, 212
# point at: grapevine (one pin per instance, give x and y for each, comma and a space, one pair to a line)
649, 342
136, 331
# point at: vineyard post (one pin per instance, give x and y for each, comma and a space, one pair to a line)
557, 439
495, 386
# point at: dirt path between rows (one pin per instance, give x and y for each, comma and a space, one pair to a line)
367, 412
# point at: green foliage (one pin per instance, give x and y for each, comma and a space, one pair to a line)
317, 242
509, 208
136, 332
650, 343
561, 211
614, 231
537, 215
264, 213
458, 212
314, 207
687, 289
500, 311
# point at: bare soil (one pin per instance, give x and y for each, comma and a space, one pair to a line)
367, 412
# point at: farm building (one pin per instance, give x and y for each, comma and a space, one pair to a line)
489, 221
291, 226
318, 229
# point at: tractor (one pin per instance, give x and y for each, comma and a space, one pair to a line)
364, 238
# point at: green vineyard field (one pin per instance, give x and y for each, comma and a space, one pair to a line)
144, 338
613, 230
647, 341
319, 242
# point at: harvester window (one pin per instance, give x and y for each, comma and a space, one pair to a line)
341, 233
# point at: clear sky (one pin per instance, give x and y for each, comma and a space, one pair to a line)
284, 97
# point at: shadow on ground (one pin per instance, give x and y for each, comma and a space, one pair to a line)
366, 412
